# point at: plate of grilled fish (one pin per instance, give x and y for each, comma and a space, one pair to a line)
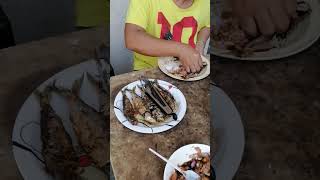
172, 67
230, 41
150, 106
62, 129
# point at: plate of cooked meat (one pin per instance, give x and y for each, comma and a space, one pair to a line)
195, 157
138, 111
172, 67
61, 130
230, 41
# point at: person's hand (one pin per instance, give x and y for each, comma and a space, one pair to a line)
190, 58
200, 47
264, 16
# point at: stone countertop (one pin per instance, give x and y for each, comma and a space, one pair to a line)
130, 157
26, 66
279, 102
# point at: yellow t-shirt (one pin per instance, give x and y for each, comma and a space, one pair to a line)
158, 17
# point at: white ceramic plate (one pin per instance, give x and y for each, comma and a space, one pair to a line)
183, 155
229, 135
306, 33
28, 119
177, 95
164, 61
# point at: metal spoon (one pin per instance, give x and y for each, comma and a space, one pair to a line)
189, 174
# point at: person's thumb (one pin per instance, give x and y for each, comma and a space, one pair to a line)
248, 24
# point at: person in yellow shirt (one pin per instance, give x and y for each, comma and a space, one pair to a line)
150, 22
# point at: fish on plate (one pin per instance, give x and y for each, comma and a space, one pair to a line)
139, 108
90, 125
60, 158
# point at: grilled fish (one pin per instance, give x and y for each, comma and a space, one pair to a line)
166, 95
89, 124
60, 158
141, 109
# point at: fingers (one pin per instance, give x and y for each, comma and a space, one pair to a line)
290, 8
198, 62
188, 66
193, 69
265, 22
248, 24
185, 64
190, 59
196, 68
194, 65
187, 69
280, 18
265, 17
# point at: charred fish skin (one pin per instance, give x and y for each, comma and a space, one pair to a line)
128, 110
91, 128
154, 114
89, 124
76, 103
134, 109
59, 156
137, 102
166, 95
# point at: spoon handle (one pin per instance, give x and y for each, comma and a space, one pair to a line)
167, 161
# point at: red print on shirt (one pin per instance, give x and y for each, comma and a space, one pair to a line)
186, 22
